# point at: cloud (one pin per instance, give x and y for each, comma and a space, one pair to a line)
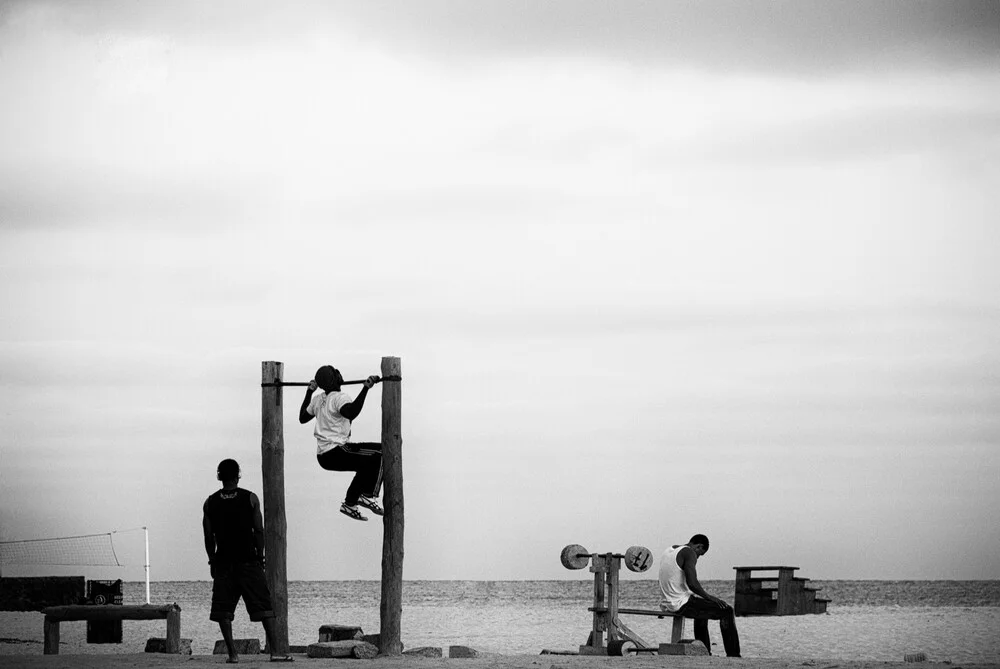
792, 36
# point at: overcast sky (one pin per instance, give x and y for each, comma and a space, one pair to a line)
651, 269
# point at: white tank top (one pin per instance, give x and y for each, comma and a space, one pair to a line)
673, 585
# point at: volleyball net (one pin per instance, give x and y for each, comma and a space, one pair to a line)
85, 550
96, 550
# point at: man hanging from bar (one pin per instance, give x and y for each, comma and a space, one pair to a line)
334, 410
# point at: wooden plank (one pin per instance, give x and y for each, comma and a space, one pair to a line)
391, 607
110, 612
787, 598
765, 568
638, 612
272, 455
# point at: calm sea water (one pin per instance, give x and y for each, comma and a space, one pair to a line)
955, 621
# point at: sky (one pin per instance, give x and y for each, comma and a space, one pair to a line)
651, 269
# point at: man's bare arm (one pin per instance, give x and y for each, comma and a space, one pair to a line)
206, 527
258, 525
351, 410
304, 415
686, 560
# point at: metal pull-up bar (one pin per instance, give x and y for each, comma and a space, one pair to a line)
355, 382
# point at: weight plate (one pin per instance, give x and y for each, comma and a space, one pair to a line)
638, 558
574, 556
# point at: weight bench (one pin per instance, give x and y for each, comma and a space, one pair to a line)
612, 622
109, 612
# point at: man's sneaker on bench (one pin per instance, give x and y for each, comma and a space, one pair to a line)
371, 505
351, 512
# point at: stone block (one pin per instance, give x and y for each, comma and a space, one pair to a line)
345, 648
462, 652
243, 647
590, 650
424, 651
685, 647
159, 645
339, 633
298, 650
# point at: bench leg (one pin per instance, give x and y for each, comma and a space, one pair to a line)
677, 630
51, 644
174, 631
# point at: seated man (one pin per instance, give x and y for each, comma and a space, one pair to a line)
683, 594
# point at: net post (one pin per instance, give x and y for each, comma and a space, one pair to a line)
146, 533
391, 607
272, 447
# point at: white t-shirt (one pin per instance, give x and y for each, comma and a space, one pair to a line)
673, 584
332, 429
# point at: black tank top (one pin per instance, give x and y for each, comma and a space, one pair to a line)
231, 515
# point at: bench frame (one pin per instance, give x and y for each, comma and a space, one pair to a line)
57, 614
606, 568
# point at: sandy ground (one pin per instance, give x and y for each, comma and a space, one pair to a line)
118, 661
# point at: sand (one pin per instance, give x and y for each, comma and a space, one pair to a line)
125, 661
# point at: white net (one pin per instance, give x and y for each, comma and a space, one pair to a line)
89, 549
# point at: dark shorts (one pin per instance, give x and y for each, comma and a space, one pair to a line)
246, 580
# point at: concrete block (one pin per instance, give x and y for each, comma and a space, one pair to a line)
243, 647
462, 652
590, 650
159, 645
685, 647
339, 633
298, 650
424, 651
345, 648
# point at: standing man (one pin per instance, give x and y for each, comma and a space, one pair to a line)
683, 594
234, 541
334, 410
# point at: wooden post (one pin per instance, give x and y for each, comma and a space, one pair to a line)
614, 566
272, 450
598, 565
391, 609
51, 639
174, 630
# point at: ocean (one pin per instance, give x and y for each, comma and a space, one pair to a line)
956, 621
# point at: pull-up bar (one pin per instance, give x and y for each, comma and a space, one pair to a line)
355, 382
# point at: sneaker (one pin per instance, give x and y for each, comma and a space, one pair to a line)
351, 512
371, 505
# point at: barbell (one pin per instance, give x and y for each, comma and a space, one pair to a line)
637, 558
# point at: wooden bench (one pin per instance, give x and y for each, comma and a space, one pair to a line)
57, 614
